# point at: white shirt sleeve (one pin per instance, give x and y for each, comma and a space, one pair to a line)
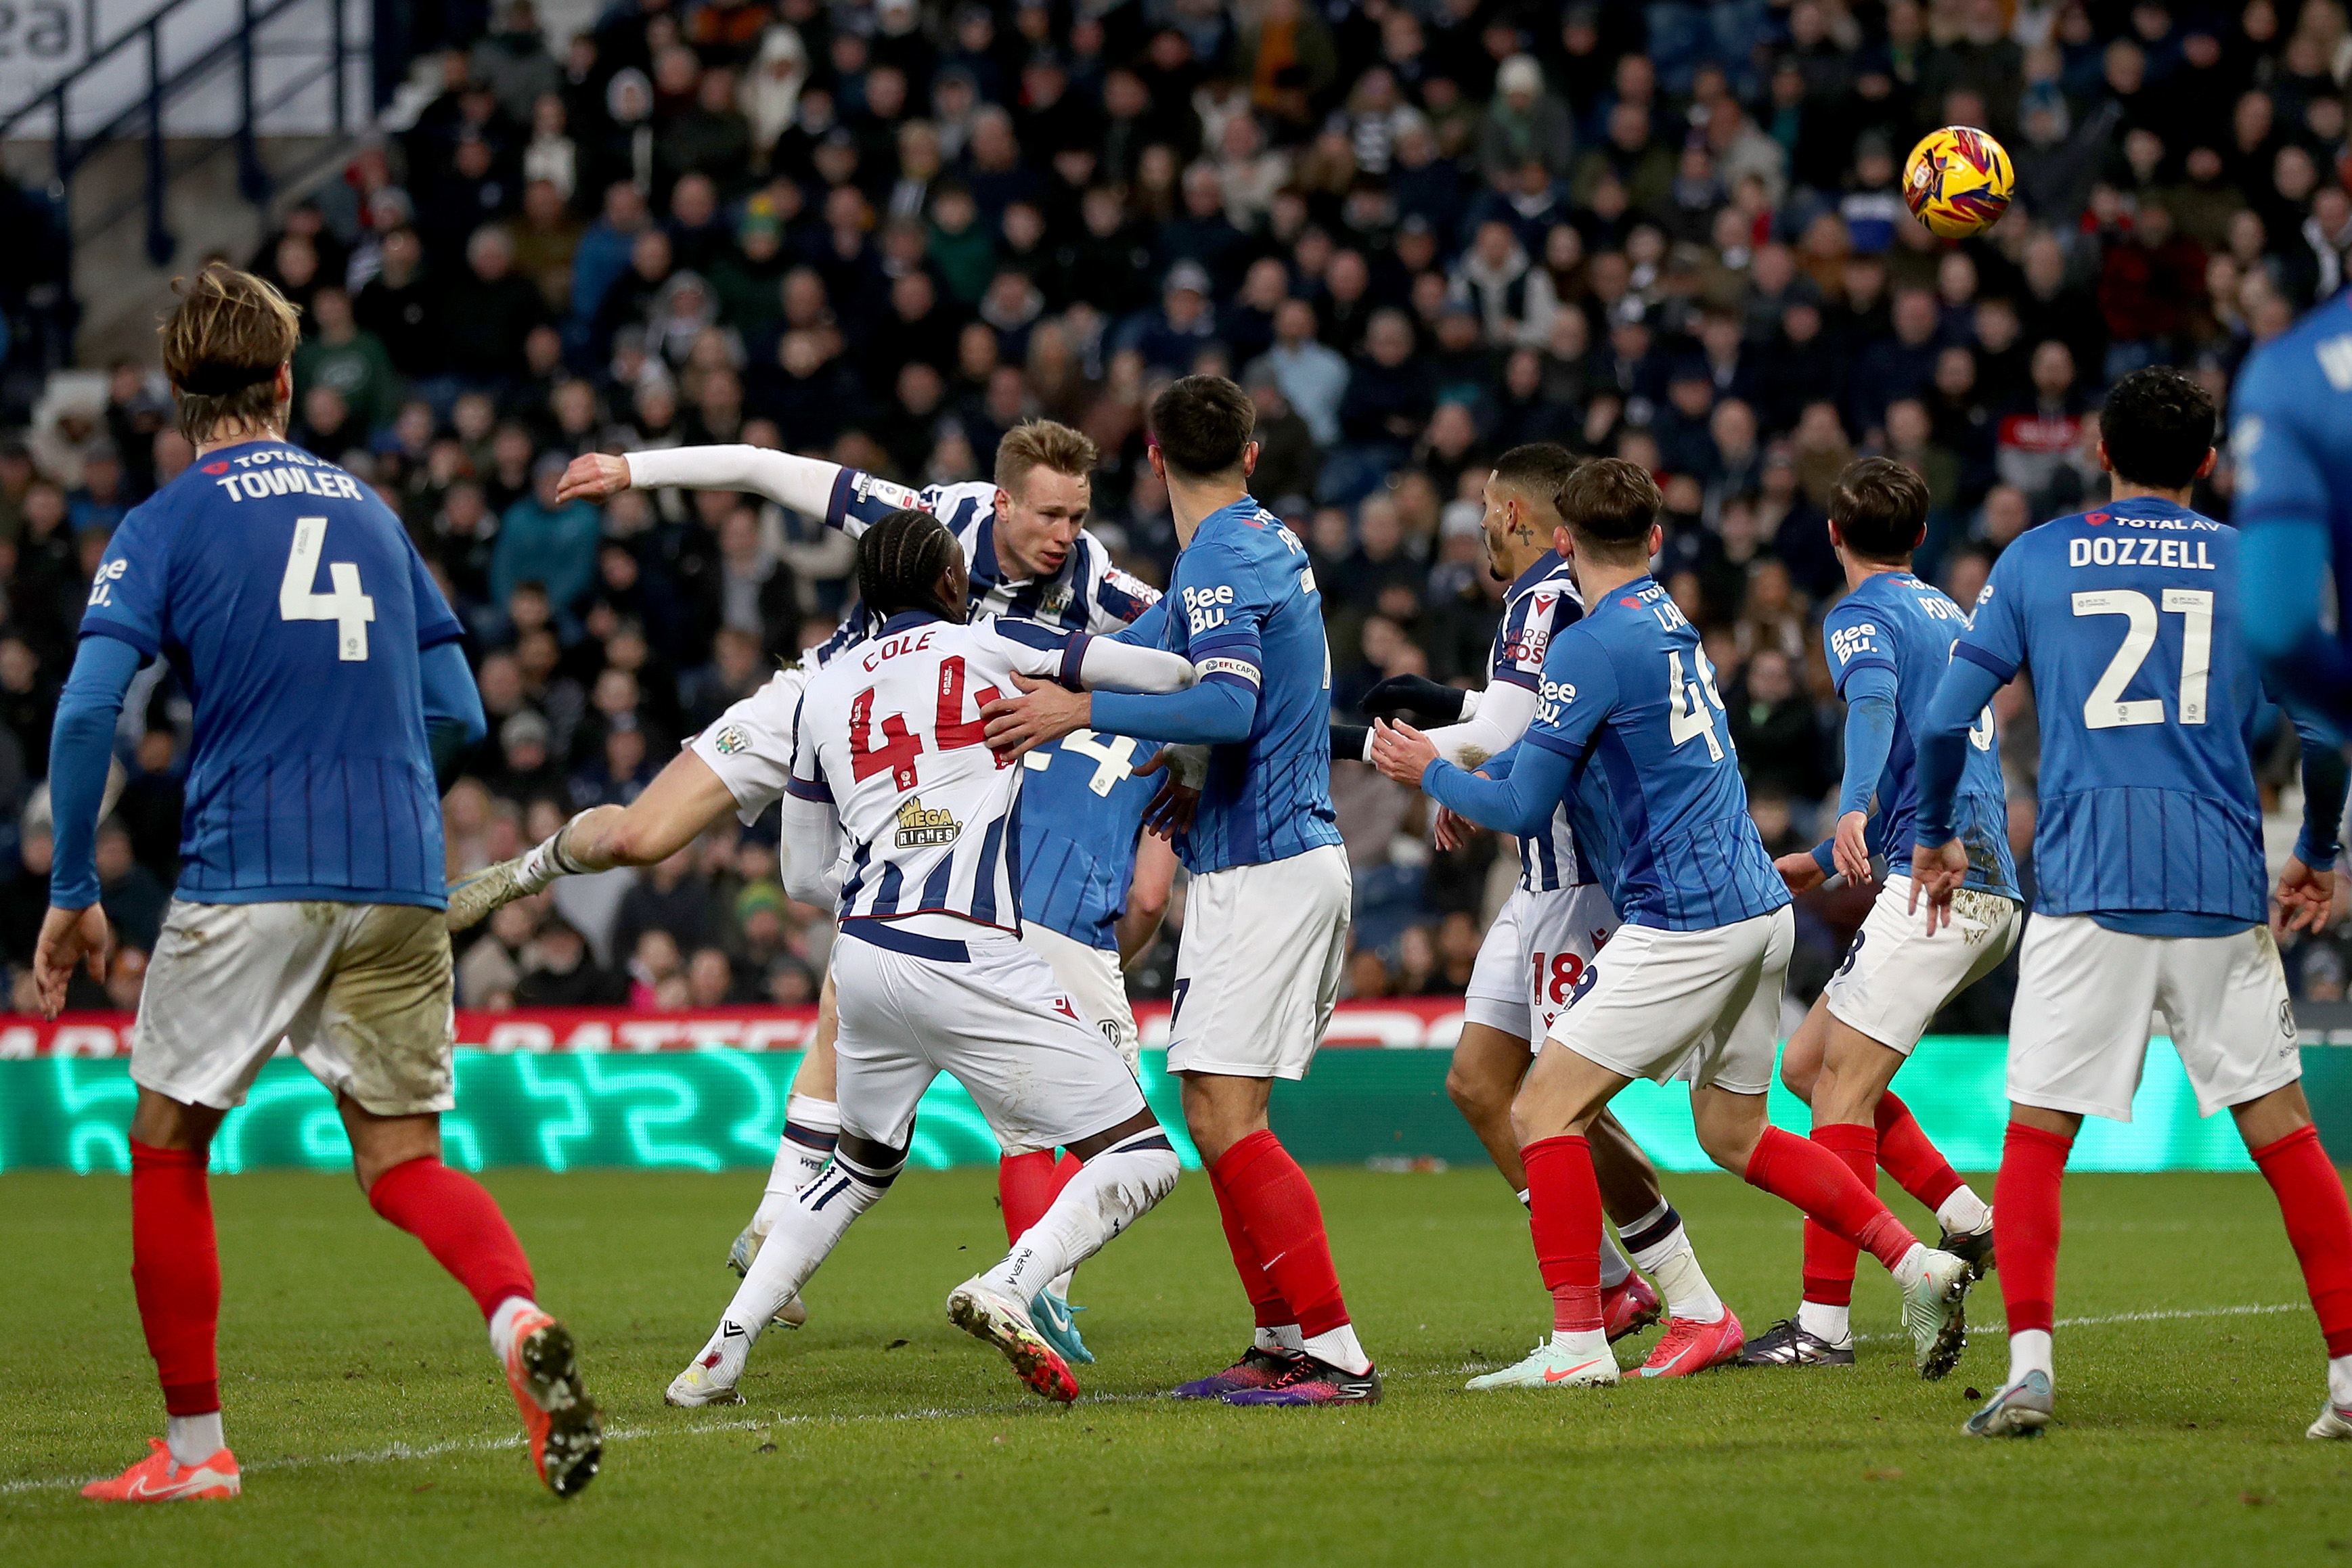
752, 746
811, 838
1080, 660
1503, 713
804, 483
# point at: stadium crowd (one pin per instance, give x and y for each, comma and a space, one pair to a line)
1418, 234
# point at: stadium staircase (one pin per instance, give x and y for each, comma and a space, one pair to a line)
158, 148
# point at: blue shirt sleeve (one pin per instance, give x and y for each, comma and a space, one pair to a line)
81, 751
1870, 719
1569, 712
1854, 639
1149, 630
1218, 592
1995, 639
453, 719
1521, 802
2325, 777
127, 595
1943, 742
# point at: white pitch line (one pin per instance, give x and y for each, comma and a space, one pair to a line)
393, 1453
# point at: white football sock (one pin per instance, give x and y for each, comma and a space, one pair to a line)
1109, 1193
2029, 1351
1963, 1213
2340, 1381
1914, 1264
1337, 1347
194, 1439
1284, 1338
1663, 1250
1613, 1266
812, 1128
806, 1231
502, 1324
1584, 1344
1834, 1324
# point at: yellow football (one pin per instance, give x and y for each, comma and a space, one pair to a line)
1958, 182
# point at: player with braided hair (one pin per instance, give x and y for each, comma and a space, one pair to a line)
887, 746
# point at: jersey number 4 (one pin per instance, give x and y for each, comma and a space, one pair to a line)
2104, 708
349, 609
1692, 704
950, 731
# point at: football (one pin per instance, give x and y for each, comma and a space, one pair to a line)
1958, 182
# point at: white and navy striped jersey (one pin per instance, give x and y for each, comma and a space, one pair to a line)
1542, 601
889, 733
1088, 594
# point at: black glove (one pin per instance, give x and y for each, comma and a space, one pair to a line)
1416, 694
1349, 741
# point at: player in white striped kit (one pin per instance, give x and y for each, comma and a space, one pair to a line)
930, 972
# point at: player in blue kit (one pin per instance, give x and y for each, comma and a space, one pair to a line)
2149, 859
1093, 886
1267, 910
1888, 641
309, 903
1690, 985
1551, 927
2290, 443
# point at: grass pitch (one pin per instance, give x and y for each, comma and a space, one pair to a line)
372, 1427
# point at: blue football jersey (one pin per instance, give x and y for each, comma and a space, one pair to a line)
1540, 603
2291, 448
1244, 608
2128, 618
1628, 687
1081, 809
1898, 624
292, 606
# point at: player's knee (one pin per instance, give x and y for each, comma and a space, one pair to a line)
1801, 1074
1477, 1095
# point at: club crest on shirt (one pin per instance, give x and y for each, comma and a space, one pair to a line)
922, 827
1054, 601
730, 740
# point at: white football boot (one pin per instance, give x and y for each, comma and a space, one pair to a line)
2024, 1408
1550, 1366
2334, 1421
711, 1377
1935, 1308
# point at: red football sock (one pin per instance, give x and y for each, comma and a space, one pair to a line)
1266, 1300
2025, 1222
2319, 1226
1564, 1215
1024, 1191
1918, 1166
1276, 1207
1829, 1259
461, 1225
175, 1274
1802, 1171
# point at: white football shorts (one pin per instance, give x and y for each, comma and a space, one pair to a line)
1897, 976
361, 991
2078, 1036
1534, 956
1094, 980
947, 996
751, 746
1699, 1006
1257, 972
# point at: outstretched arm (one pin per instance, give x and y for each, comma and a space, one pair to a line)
1870, 719
1520, 802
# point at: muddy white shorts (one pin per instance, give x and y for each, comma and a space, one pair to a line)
2078, 1035
1699, 1006
1257, 972
1094, 980
951, 997
1897, 976
1533, 957
361, 991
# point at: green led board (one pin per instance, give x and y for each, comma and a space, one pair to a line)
717, 1108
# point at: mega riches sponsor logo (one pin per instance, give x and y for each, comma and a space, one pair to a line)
923, 827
